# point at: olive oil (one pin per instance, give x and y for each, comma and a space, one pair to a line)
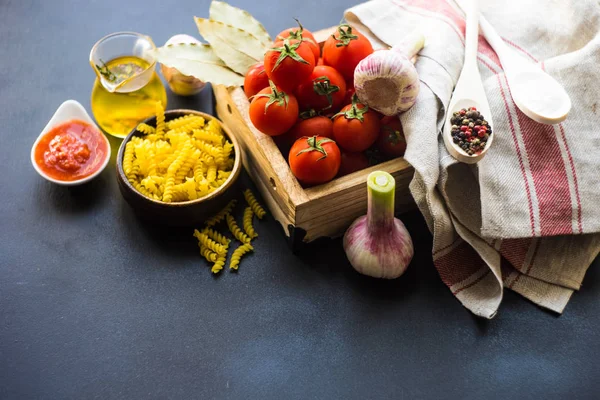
118, 112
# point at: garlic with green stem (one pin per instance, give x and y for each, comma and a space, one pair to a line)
378, 244
387, 80
179, 83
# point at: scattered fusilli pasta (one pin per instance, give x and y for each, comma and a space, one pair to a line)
220, 216
238, 254
235, 230
254, 204
219, 264
214, 245
210, 256
248, 227
210, 244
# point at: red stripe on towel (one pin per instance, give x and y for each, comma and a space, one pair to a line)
475, 282
522, 50
515, 251
549, 176
459, 264
518, 150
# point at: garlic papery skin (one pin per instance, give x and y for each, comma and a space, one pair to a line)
377, 244
387, 80
179, 83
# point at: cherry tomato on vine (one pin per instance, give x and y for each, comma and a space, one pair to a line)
256, 79
352, 162
345, 50
299, 33
391, 139
323, 90
355, 127
318, 125
314, 160
272, 111
289, 63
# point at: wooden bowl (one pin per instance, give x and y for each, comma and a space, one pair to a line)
184, 213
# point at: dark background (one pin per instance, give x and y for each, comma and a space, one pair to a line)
95, 304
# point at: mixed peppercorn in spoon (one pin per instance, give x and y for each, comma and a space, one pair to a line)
470, 131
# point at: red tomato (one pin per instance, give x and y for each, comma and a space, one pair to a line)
314, 160
319, 125
352, 162
356, 127
324, 89
276, 118
379, 115
349, 94
301, 33
391, 139
345, 50
289, 63
256, 79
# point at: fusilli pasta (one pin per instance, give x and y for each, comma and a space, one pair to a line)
254, 204
160, 119
235, 229
248, 227
184, 158
145, 128
238, 254
220, 216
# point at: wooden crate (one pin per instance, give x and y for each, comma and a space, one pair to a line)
305, 214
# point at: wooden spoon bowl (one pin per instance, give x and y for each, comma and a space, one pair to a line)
184, 213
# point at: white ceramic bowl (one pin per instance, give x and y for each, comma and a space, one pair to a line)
67, 111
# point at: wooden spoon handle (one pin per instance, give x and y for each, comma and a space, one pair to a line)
472, 30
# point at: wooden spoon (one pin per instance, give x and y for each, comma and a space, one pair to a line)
469, 89
535, 92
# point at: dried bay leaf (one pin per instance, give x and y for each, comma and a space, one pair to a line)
199, 61
236, 47
230, 15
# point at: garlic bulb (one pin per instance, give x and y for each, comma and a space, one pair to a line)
387, 80
377, 244
179, 83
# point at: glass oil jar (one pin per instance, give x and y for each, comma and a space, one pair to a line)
127, 86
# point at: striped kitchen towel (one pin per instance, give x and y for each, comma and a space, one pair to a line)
527, 216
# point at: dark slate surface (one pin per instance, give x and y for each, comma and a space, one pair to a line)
94, 304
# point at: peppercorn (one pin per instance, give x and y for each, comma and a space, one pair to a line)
470, 131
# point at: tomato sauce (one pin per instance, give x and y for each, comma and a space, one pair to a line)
71, 151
